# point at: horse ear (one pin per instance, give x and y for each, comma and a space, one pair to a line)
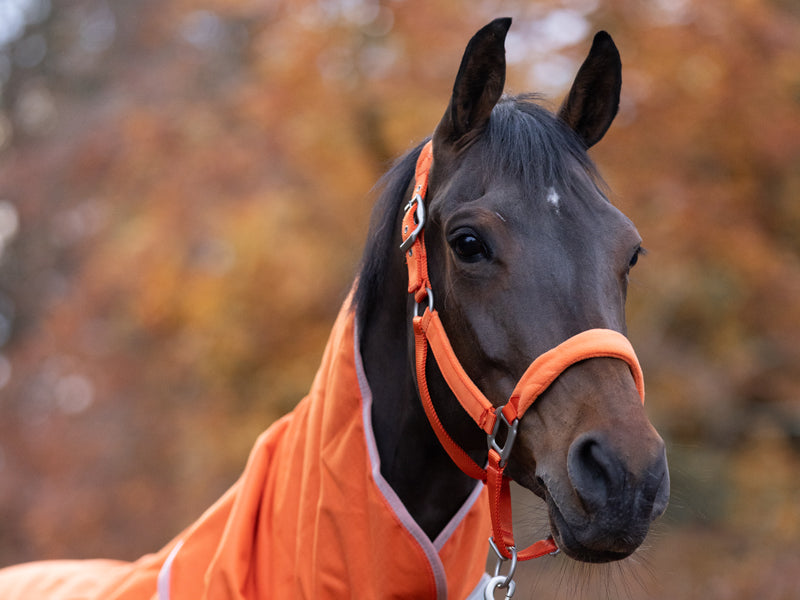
593, 100
478, 86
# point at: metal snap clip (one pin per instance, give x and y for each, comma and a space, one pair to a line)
495, 583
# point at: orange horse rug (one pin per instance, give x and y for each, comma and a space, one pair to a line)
311, 516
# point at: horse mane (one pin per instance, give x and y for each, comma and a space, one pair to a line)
523, 140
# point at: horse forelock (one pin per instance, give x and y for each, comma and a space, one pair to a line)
530, 145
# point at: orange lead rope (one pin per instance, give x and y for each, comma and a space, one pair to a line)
429, 331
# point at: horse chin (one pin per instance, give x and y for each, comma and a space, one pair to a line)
563, 533
585, 542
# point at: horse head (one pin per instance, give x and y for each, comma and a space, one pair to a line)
526, 251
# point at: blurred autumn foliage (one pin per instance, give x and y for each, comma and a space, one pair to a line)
184, 192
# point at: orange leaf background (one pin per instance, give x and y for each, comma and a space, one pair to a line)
184, 193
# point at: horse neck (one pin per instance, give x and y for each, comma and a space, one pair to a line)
413, 462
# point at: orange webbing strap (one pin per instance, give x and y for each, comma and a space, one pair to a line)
500, 511
593, 343
423, 170
469, 396
413, 221
456, 452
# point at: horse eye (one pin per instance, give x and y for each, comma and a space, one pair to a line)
469, 248
635, 257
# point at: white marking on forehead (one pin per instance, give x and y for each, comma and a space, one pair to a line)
553, 198
501, 217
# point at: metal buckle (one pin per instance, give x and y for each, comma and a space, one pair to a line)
505, 450
419, 217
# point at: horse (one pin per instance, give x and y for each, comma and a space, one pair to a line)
483, 341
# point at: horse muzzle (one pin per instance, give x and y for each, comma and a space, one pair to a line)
605, 511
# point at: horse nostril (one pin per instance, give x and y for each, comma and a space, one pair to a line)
593, 471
